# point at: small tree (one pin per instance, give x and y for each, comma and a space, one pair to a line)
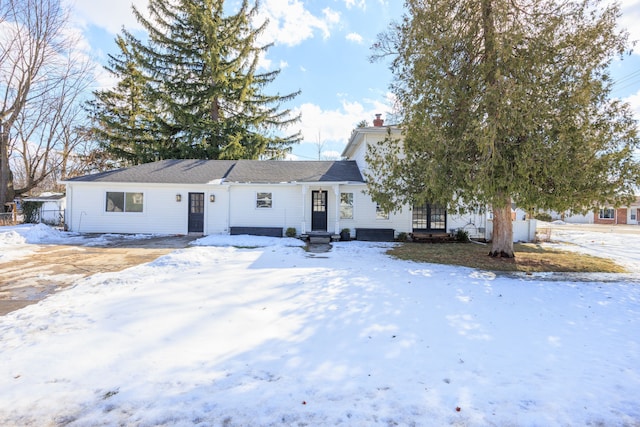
506, 101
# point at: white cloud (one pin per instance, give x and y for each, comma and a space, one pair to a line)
111, 15
331, 155
354, 37
283, 64
634, 102
335, 126
361, 4
331, 16
630, 18
290, 23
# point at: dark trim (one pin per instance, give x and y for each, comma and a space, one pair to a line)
375, 234
257, 231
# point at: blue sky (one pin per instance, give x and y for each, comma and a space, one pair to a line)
322, 48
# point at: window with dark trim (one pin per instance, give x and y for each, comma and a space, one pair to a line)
120, 201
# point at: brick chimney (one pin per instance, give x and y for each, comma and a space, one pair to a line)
378, 121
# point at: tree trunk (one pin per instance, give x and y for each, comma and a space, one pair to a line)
502, 241
6, 181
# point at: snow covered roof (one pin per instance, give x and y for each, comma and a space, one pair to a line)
241, 171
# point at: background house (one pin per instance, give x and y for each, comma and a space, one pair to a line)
53, 207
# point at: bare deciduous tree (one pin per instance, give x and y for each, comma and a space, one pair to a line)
42, 80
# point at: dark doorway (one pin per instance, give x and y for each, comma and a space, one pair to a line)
429, 217
196, 212
318, 211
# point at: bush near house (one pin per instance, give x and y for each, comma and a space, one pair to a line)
31, 212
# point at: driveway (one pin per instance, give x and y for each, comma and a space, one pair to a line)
53, 267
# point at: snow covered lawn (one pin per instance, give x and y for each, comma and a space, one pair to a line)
215, 335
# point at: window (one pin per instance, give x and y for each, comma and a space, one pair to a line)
381, 213
346, 205
264, 200
428, 217
607, 213
118, 201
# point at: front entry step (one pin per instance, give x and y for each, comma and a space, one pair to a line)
320, 237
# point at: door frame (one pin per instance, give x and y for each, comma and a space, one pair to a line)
195, 220
319, 216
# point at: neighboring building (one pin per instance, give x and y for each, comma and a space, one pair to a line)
257, 197
607, 215
624, 215
53, 207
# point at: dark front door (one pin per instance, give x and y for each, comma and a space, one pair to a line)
429, 218
196, 212
318, 211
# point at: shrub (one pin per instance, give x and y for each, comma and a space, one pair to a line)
402, 236
31, 212
462, 235
543, 216
290, 232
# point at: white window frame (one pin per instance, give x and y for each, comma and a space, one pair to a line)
602, 211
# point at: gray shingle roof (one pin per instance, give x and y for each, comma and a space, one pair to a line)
273, 171
245, 171
165, 172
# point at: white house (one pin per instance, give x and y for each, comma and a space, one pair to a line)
254, 197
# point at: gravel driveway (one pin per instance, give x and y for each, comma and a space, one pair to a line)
53, 267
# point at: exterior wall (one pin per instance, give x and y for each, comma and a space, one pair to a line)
233, 205
292, 207
365, 215
286, 210
162, 214
620, 217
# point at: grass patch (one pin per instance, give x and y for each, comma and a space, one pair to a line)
528, 258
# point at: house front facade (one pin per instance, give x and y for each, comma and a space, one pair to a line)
218, 196
258, 197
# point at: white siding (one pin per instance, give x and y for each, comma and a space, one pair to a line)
162, 214
216, 213
286, 210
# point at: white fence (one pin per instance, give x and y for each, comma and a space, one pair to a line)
523, 230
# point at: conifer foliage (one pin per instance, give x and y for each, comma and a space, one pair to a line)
506, 101
192, 88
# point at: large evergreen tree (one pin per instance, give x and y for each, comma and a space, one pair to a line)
192, 88
506, 101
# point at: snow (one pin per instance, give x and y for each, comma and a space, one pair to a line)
239, 331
